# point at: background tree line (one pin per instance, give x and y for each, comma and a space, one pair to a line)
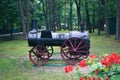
59, 14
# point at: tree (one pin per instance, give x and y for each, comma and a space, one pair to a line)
9, 17
87, 17
118, 21
106, 19
27, 15
77, 2
22, 18
45, 11
93, 14
71, 14
99, 17
102, 16
53, 15
10, 20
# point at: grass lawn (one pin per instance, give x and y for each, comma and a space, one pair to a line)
102, 45
14, 67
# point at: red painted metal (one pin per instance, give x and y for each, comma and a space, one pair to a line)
39, 55
73, 50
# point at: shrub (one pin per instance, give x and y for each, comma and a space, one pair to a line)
94, 68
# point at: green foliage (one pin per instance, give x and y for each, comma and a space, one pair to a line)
115, 77
112, 8
10, 16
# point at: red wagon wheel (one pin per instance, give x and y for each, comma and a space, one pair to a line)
39, 55
73, 50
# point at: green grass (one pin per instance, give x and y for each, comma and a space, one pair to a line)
13, 67
102, 45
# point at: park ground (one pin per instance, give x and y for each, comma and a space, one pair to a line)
15, 63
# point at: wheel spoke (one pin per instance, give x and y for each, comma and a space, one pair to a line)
75, 43
45, 51
65, 49
81, 47
66, 53
33, 55
79, 44
83, 51
67, 45
35, 58
71, 44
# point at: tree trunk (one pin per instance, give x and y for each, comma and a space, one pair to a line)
59, 22
78, 11
53, 15
87, 17
71, 15
9, 20
93, 18
102, 20
106, 19
98, 17
50, 14
28, 16
45, 13
118, 21
32, 8
22, 19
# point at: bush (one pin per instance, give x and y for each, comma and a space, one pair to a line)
94, 68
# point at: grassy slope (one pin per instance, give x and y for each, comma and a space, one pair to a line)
12, 67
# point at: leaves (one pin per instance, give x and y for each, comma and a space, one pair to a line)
99, 68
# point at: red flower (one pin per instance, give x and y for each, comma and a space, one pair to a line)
82, 63
93, 56
98, 78
113, 58
68, 68
106, 78
96, 71
118, 62
82, 78
89, 78
105, 61
93, 78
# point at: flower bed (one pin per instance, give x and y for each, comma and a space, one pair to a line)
94, 68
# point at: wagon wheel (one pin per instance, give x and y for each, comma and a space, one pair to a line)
73, 50
50, 50
39, 55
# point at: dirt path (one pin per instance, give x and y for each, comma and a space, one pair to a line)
55, 64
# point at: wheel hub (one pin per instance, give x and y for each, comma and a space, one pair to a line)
38, 55
74, 50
